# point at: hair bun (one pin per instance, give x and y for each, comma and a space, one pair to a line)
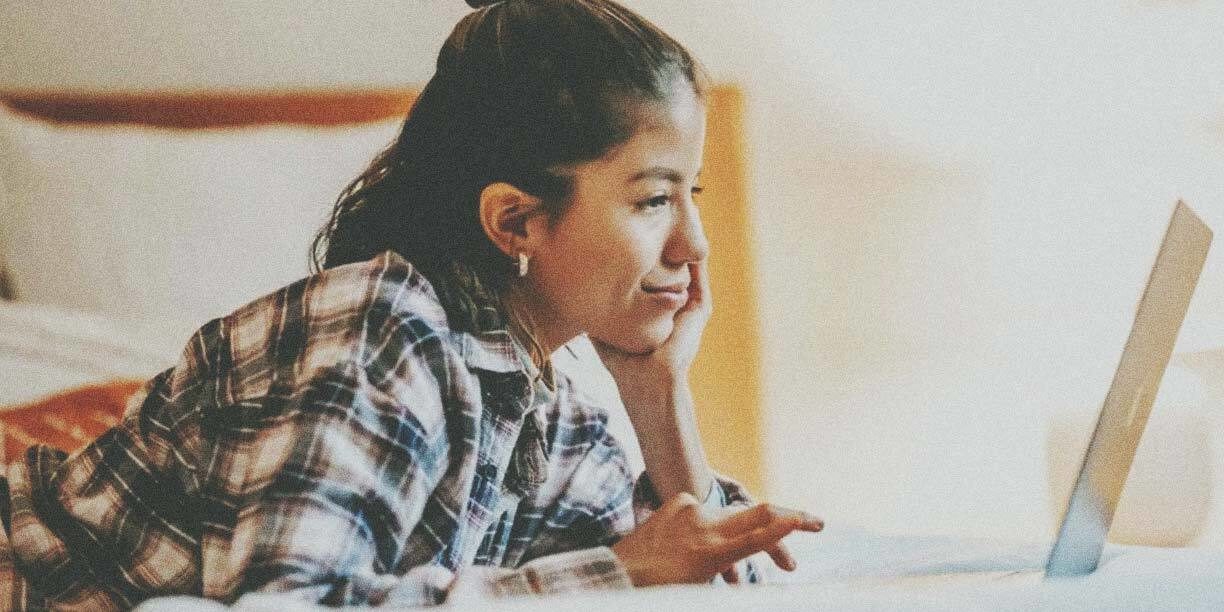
481, 3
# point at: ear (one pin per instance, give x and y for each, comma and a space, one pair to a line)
512, 219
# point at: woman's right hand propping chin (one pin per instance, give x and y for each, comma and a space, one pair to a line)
679, 544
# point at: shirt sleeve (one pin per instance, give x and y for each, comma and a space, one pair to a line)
338, 474
603, 501
583, 569
724, 492
353, 483
578, 570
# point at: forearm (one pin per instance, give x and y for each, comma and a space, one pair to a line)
666, 427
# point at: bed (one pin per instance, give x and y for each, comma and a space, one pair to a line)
129, 219
847, 569
161, 210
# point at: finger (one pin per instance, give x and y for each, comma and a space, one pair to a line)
758, 539
782, 557
761, 514
691, 319
703, 276
747, 520
698, 287
731, 575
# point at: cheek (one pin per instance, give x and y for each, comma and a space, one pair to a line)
621, 267
579, 276
592, 288
610, 259
595, 268
598, 281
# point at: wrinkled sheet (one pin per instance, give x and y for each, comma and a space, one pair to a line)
851, 569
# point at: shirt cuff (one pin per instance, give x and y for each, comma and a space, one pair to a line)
578, 570
723, 492
714, 497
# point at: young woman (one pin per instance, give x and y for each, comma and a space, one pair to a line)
390, 430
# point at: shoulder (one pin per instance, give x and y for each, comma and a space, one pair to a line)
373, 315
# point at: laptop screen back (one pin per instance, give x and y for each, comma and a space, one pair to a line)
1081, 538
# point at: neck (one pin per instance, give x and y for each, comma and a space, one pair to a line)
529, 318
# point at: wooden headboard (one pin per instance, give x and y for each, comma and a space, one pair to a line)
726, 378
214, 109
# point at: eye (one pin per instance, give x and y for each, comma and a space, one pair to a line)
658, 201
664, 199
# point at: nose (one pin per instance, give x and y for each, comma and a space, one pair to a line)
687, 243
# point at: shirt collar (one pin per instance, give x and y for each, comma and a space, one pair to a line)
483, 337
487, 344
495, 351
472, 318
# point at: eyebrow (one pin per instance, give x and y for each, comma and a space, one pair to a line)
662, 172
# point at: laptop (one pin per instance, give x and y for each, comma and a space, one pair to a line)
1158, 318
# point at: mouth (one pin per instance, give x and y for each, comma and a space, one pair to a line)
672, 288
670, 297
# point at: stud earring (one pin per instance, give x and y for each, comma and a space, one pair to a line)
522, 264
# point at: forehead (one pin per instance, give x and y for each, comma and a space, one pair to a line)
681, 109
667, 133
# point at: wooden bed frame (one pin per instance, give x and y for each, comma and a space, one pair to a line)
726, 378
214, 109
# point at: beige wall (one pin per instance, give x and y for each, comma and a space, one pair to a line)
955, 204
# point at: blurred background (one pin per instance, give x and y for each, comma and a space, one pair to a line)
953, 210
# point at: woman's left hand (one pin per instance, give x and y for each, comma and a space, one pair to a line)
668, 364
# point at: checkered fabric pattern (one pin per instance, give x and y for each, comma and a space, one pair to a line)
336, 441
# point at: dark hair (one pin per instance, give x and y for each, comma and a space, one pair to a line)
523, 89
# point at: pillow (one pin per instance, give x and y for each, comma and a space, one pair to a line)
44, 350
6, 291
140, 222
67, 375
68, 420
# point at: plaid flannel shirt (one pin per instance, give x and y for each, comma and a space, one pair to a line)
335, 441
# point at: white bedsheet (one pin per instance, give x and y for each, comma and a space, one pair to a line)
839, 568
46, 349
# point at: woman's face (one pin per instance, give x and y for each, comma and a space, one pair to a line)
615, 265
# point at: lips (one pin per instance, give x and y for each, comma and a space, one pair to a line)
673, 288
670, 297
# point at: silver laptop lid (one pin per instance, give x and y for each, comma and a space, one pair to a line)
1081, 538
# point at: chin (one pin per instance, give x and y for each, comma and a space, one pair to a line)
641, 339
